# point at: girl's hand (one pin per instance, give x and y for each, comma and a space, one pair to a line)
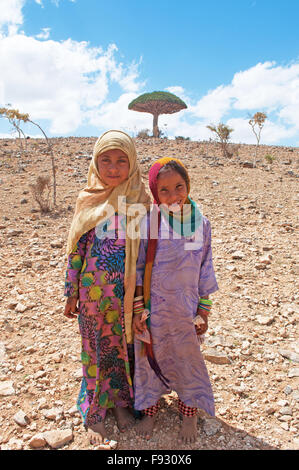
203, 327
71, 310
138, 325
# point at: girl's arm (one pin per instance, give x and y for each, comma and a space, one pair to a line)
203, 327
139, 291
74, 267
207, 279
138, 326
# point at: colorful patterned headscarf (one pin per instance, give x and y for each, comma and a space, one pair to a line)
154, 172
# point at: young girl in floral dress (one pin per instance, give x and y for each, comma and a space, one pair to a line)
175, 277
100, 281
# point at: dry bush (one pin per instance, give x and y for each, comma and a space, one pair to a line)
143, 134
41, 191
222, 136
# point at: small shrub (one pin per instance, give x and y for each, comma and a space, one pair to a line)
257, 123
180, 137
270, 159
41, 191
143, 134
222, 135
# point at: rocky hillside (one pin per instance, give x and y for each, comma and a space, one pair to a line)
251, 349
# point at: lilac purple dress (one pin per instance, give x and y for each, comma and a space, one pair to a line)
95, 273
182, 272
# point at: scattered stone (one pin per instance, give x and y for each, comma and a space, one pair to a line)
288, 390
14, 232
58, 438
216, 357
73, 411
40, 374
20, 308
27, 263
247, 164
14, 444
30, 350
2, 352
56, 243
294, 372
285, 426
266, 259
12, 305
291, 355
42, 403
270, 411
21, 418
53, 414
78, 374
211, 426
238, 255
282, 403
264, 320
231, 268
6, 388
286, 410
260, 266
38, 441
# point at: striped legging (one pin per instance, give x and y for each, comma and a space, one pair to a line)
183, 409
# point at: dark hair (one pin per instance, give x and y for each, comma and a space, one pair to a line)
173, 165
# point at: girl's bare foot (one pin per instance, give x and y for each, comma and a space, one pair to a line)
97, 433
188, 431
123, 418
145, 427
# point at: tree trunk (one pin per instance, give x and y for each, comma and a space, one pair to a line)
155, 126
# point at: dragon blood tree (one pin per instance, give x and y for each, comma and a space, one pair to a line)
156, 103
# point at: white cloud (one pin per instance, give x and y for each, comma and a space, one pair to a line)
116, 114
270, 134
44, 34
57, 2
266, 87
70, 83
213, 105
13, 135
11, 16
64, 82
180, 92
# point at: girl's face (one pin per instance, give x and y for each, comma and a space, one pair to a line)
113, 167
172, 190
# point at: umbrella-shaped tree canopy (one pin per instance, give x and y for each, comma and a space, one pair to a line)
156, 103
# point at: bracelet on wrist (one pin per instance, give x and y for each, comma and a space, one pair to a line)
204, 306
138, 307
203, 309
205, 301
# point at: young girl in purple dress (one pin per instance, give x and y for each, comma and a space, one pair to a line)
175, 277
100, 281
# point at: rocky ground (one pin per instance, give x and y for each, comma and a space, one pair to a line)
251, 349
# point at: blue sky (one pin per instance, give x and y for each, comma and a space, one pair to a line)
74, 65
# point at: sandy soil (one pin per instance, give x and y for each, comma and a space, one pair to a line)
251, 349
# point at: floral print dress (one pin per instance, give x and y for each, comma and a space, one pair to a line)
95, 273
